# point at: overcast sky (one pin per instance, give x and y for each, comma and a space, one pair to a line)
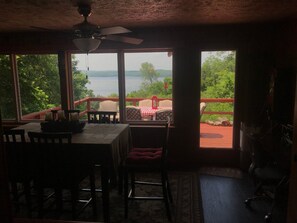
133, 61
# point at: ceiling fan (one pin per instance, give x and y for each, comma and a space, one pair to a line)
88, 36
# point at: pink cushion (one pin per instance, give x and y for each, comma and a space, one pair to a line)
144, 156
145, 149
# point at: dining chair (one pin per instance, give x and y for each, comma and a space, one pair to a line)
102, 117
162, 114
133, 113
148, 159
165, 103
61, 166
145, 103
20, 170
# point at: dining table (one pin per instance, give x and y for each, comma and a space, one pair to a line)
104, 144
149, 112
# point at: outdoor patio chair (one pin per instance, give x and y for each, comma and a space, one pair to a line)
202, 108
133, 113
163, 114
154, 159
145, 103
165, 103
108, 105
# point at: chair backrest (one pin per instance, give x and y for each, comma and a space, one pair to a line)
145, 103
17, 155
202, 108
53, 155
107, 117
166, 140
165, 103
108, 105
133, 113
163, 114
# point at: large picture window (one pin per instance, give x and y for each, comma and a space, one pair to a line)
95, 84
95, 81
148, 84
39, 84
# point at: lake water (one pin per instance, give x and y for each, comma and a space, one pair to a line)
104, 86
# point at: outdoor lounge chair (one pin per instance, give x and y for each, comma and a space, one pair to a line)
163, 114
202, 108
165, 103
133, 113
145, 103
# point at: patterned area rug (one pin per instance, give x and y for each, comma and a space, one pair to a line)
186, 206
221, 171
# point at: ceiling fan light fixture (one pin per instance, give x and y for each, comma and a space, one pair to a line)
87, 44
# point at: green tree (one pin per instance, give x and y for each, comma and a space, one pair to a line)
39, 83
6, 89
151, 85
213, 65
79, 82
217, 81
149, 73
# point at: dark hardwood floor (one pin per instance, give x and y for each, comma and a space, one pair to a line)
223, 201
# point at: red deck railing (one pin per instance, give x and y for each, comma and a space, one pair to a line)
88, 100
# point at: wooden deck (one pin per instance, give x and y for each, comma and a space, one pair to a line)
216, 136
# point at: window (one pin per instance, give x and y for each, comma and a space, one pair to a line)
95, 84
8, 109
39, 84
95, 81
148, 85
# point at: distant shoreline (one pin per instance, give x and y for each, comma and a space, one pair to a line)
131, 73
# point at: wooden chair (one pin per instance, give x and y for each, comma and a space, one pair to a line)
163, 114
148, 159
133, 113
102, 117
20, 170
60, 166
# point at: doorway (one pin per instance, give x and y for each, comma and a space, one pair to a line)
217, 99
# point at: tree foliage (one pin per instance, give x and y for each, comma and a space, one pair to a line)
218, 81
148, 72
151, 85
39, 83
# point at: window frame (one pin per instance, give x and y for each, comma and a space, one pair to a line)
65, 72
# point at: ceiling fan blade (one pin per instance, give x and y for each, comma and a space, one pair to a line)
113, 30
124, 39
40, 28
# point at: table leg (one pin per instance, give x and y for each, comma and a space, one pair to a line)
105, 192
